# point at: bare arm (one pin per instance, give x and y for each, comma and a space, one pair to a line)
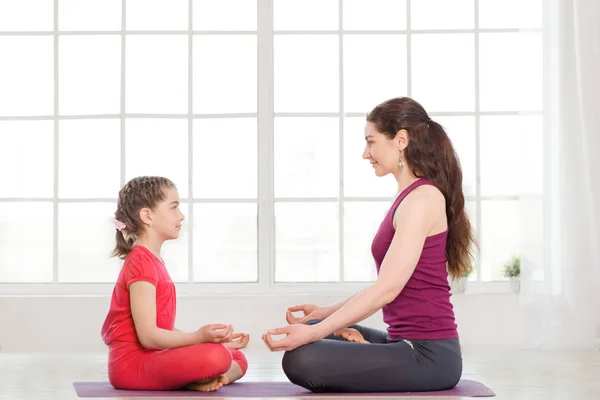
414, 220
143, 309
334, 307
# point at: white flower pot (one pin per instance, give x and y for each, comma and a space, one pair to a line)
458, 285
515, 284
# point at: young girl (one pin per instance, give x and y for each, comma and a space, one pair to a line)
146, 352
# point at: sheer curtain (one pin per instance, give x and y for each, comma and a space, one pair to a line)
560, 265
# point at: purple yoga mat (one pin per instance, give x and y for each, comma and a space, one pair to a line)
465, 388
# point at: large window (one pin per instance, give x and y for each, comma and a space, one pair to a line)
255, 109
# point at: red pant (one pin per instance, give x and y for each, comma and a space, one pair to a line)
133, 367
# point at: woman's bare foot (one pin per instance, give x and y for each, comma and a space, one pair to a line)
209, 385
351, 335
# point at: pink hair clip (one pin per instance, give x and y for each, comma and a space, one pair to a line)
119, 225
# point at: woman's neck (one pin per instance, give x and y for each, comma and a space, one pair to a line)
405, 178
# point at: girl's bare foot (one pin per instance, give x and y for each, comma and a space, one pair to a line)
209, 385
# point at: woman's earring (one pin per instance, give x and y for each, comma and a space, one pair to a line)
401, 161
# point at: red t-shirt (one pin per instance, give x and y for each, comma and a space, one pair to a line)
140, 265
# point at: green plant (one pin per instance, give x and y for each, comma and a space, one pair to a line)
466, 274
513, 267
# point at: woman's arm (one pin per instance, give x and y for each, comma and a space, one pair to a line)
143, 309
334, 307
414, 221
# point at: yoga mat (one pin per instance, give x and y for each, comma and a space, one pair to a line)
465, 388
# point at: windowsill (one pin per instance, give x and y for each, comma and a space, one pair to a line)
226, 289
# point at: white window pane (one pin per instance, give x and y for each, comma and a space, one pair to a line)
511, 155
26, 253
225, 74
89, 163
225, 243
305, 15
26, 15
511, 72
369, 80
27, 151
504, 14
157, 15
442, 14
156, 74
158, 147
89, 15
461, 131
175, 253
359, 176
234, 176
306, 157
501, 236
361, 221
27, 75
86, 237
374, 14
448, 86
532, 229
306, 73
89, 74
210, 15
307, 242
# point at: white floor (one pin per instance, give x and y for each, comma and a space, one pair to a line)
512, 374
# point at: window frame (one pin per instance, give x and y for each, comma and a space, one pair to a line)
265, 201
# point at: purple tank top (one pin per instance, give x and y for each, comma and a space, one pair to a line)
423, 309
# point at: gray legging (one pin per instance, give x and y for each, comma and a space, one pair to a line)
336, 365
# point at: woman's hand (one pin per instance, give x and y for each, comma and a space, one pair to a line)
238, 341
351, 335
295, 336
214, 333
310, 311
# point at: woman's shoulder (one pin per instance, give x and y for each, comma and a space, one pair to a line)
426, 200
425, 195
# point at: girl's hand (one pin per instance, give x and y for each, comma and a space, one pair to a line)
295, 336
238, 341
351, 335
215, 333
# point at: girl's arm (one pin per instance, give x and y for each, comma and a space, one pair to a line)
143, 309
414, 221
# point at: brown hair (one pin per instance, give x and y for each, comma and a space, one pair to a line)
138, 193
430, 155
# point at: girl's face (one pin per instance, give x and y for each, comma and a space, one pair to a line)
167, 217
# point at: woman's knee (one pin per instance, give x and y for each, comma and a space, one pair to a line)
299, 364
313, 321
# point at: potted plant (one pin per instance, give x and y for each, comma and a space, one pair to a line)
512, 271
459, 285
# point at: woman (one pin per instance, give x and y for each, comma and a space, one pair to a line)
425, 235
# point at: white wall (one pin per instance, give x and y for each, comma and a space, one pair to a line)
52, 324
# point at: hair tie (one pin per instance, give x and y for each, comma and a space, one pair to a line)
119, 225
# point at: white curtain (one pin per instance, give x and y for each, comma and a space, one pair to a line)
562, 306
